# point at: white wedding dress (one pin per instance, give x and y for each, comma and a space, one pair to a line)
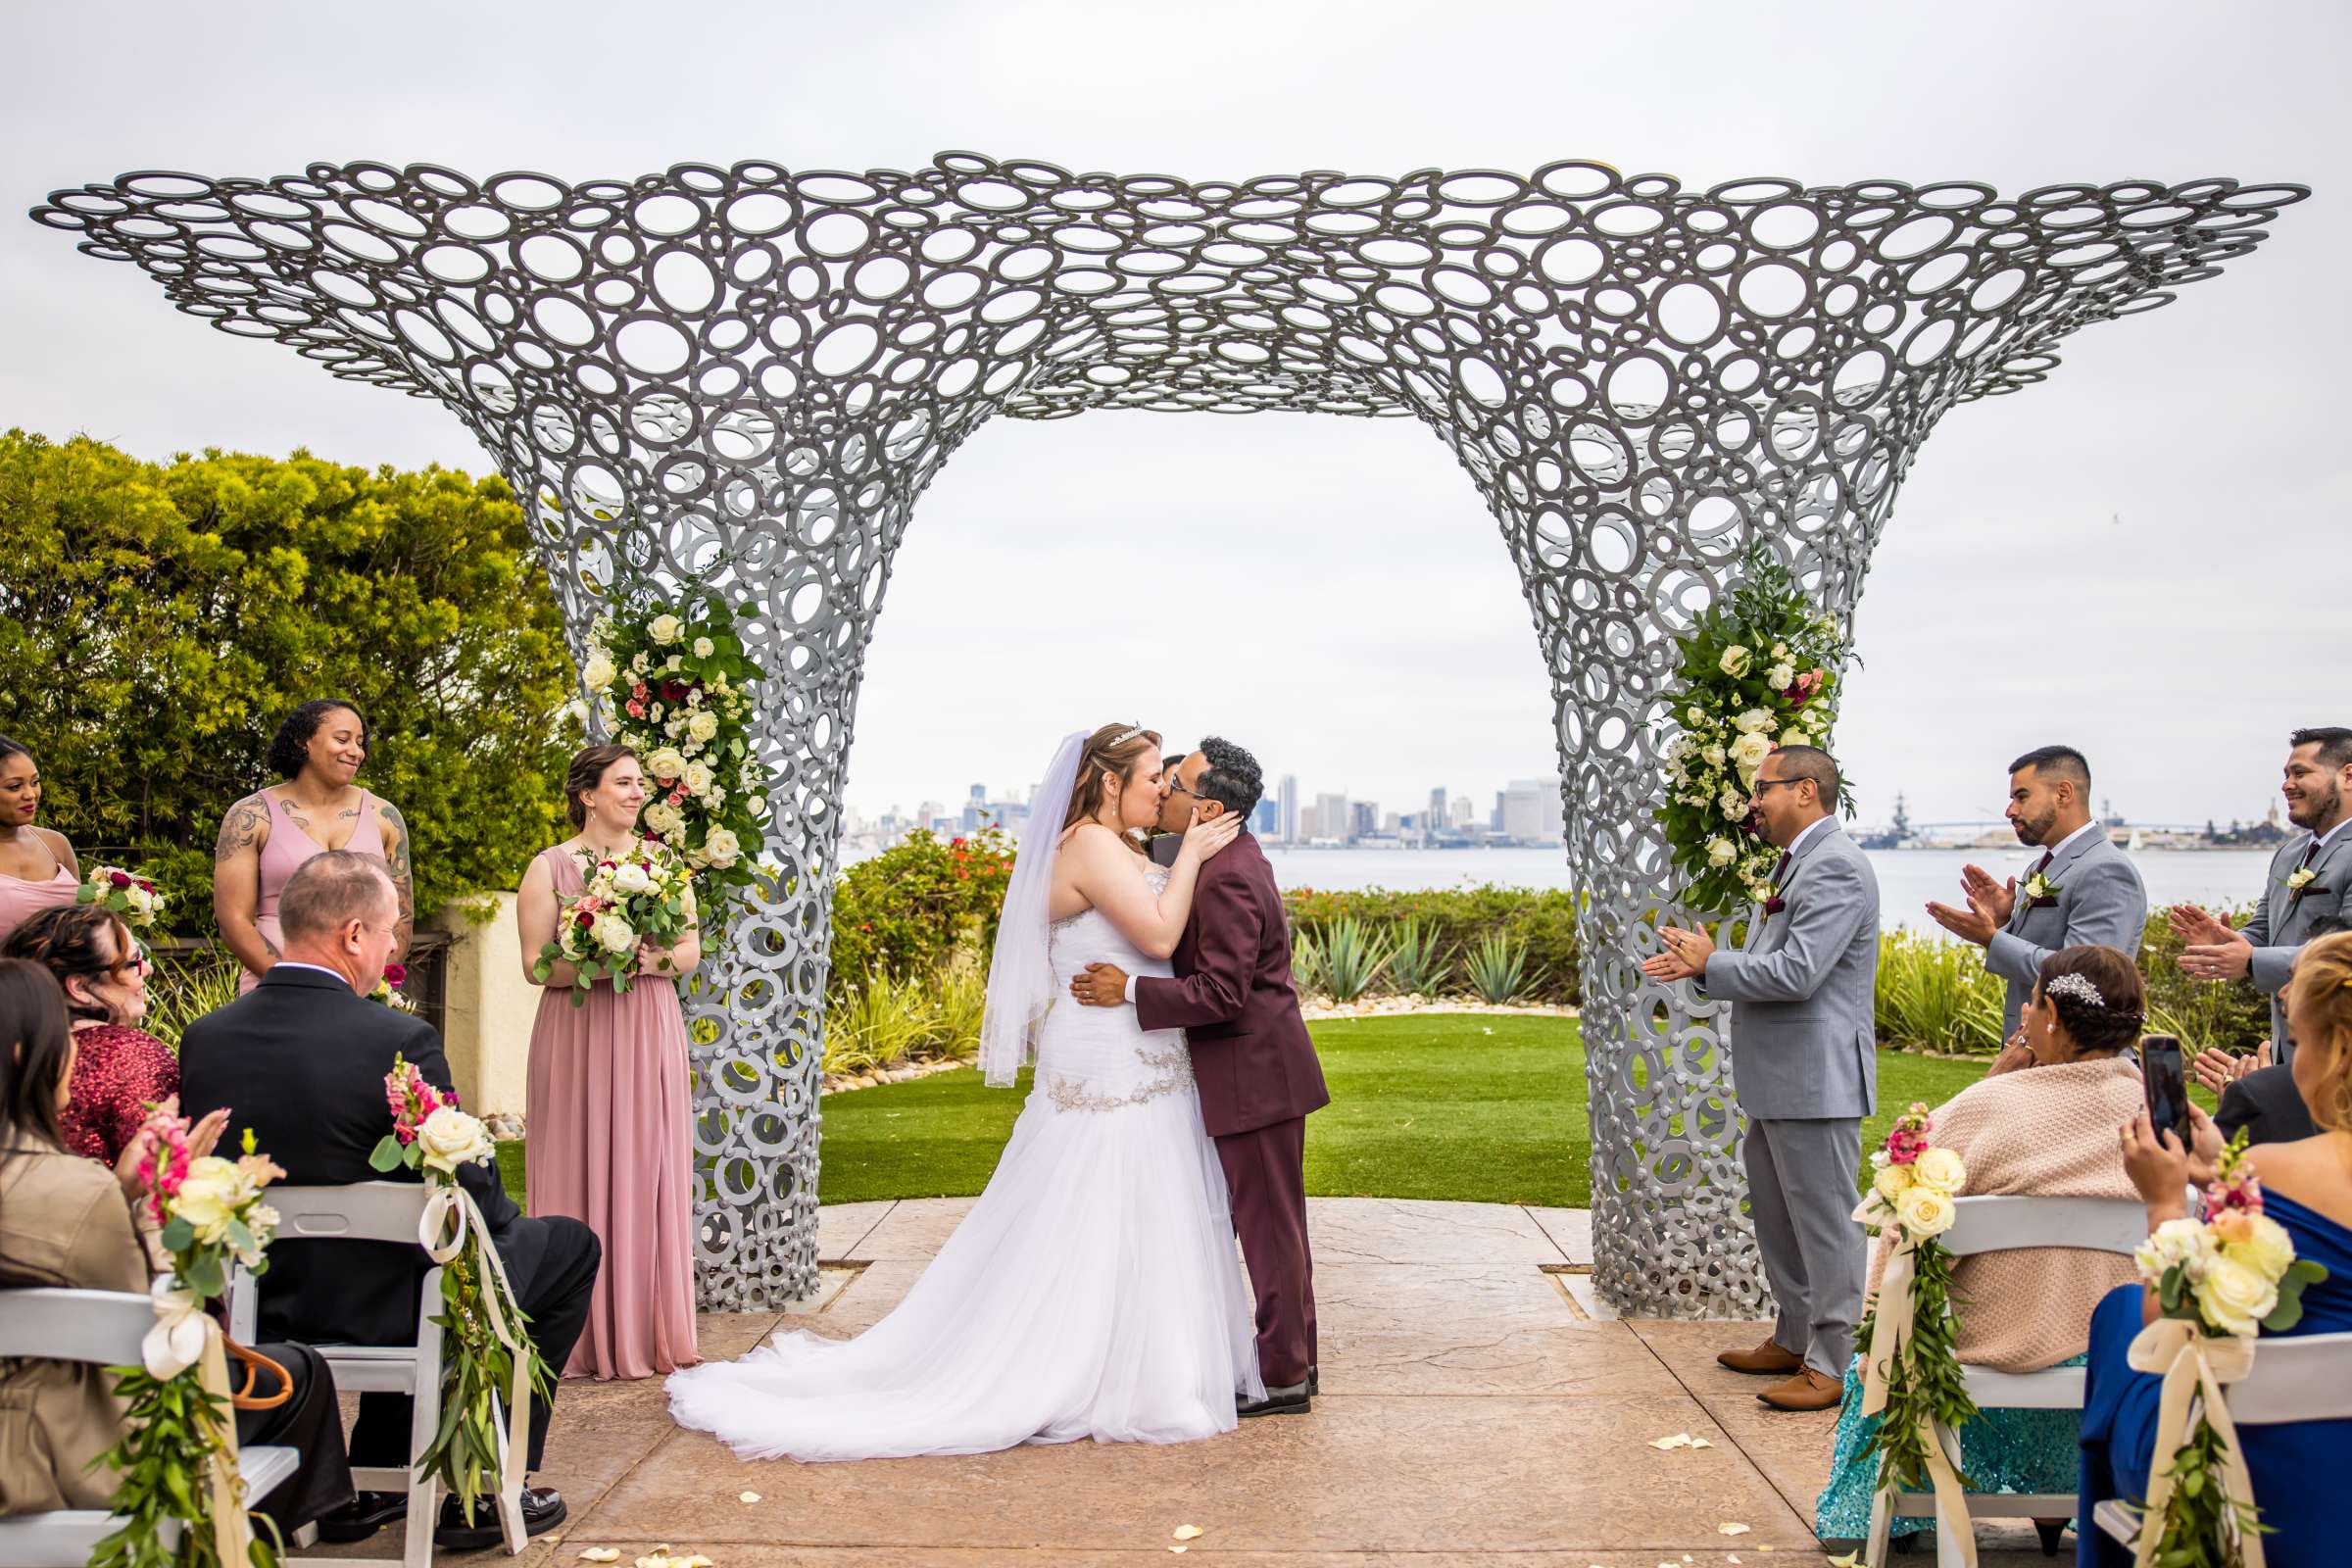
1092, 1291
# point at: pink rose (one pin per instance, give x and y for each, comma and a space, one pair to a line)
396, 974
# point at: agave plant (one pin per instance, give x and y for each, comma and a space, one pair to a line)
876, 1024
1306, 959
181, 990
1352, 958
1419, 965
1498, 967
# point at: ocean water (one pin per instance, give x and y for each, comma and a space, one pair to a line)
1907, 878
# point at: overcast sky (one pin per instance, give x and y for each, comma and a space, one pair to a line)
1330, 591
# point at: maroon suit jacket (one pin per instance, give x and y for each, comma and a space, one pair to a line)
1232, 997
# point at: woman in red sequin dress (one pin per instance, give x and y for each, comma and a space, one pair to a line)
118, 1068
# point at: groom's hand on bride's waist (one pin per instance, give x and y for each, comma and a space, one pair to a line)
1101, 985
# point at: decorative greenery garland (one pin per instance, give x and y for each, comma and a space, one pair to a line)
668, 674
1759, 671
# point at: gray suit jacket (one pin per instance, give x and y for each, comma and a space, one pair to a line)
2283, 920
2100, 899
1803, 1037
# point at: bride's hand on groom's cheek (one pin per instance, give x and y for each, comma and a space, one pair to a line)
1101, 985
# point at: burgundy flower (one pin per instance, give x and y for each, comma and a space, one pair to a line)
396, 974
1803, 689
120, 879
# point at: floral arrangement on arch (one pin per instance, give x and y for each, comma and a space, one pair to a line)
1909, 1339
486, 1358
126, 893
178, 1456
2220, 1279
1759, 671
670, 680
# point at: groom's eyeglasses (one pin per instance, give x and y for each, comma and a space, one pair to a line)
1177, 788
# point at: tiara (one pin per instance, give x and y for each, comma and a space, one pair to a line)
2076, 987
1121, 740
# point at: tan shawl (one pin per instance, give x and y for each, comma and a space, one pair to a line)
2042, 1132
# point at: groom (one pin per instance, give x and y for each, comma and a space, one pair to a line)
1253, 1060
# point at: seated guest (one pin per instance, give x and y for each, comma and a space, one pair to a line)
301, 1060
118, 1068
38, 868
70, 1223
2307, 1188
2043, 1125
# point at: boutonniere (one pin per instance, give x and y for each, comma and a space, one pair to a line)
2301, 879
2040, 891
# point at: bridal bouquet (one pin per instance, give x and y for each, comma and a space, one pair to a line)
1759, 671
178, 1452
2220, 1279
1910, 1366
644, 894
485, 1356
129, 895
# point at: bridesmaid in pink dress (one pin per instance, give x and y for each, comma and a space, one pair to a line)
38, 868
318, 752
608, 1115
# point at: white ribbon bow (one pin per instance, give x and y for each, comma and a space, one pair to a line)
2192, 1364
1895, 1326
452, 1209
185, 1337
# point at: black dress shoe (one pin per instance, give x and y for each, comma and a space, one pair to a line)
1314, 1383
362, 1516
542, 1510
1297, 1399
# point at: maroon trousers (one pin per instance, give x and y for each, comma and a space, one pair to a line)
1265, 1174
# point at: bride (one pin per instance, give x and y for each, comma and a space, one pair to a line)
1094, 1289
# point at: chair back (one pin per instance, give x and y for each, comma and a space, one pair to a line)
2002, 1224
360, 1211
100, 1327
2306, 1378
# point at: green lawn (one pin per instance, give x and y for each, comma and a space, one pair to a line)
1481, 1108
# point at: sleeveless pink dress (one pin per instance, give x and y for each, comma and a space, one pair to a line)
21, 901
611, 1128
282, 856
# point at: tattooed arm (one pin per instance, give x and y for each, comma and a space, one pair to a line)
237, 882
395, 829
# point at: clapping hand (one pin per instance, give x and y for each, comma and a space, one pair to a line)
2217, 1070
203, 1137
1685, 955
1989, 903
2195, 925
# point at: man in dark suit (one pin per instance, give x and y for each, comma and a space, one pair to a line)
301, 1060
2255, 1094
1253, 1061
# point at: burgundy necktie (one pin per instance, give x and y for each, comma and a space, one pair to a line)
1780, 872
2043, 865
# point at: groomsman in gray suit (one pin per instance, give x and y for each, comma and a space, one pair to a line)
2306, 884
1804, 1065
2082, 889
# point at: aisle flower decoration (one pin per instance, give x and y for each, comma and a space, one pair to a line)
126, 893
486, 1358
670, 680
2220, 1279
1759, 671
178, 1452
1908, 1342
646, 894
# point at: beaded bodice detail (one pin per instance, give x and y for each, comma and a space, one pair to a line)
1100, 1058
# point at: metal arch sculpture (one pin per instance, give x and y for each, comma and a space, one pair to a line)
755, 370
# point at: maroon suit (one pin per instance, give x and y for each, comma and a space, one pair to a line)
1259, 1077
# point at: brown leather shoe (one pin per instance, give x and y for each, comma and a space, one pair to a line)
1807, 1390
1765, 1360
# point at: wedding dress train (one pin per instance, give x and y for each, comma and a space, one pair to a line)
1094, 1289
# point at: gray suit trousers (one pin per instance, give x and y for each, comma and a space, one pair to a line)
1801, 1196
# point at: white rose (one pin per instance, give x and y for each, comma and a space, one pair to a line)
2177, 1242
722, 847
613, 932
1722, 852
1714, 755
1780, 651
1753, 721
1892, 1180
1780, 678
666, 762
702, 725
703, 648
663, 628
695, 776
630, 877
1733, 806
2268, 1250
675, 726
662, 817
1749, 752
2233, 1298
756, 805
1925, 1211
1695, 716
694, 698
450, 1138
1736, 661
598, 672
1795, 737
205, 1195
639, 664
675, 661
1940, 1170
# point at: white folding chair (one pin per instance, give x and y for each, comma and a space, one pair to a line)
2001, 1225
2308, 1378
383, 1211
103, 1328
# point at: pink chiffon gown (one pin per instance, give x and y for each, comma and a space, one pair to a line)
21, 901
611, 1133
282, 855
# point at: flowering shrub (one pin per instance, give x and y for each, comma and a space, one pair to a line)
641, 895
1759, 671
669, 677
907, 910
130, 896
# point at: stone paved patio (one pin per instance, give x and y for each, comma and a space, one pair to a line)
1478, 1407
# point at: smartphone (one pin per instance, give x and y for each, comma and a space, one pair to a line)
2160, 1069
